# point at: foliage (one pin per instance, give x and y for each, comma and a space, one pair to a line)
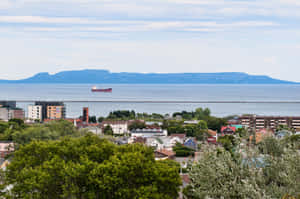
153, 116
108, 130
271, 146
183, 151
282, 174
137, 125
90, 167
242, 132
51, 131
292, 141
215, 123
20, 122
218, 175
229, 142
100, 119
173, 126
191, 130
284, 128
93, 119
199, 114
122, 115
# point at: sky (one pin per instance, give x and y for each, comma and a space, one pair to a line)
260, 37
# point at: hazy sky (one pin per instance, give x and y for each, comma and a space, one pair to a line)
254, 36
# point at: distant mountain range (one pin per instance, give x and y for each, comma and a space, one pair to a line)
106, 77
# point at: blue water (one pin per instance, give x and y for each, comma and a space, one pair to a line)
62, 92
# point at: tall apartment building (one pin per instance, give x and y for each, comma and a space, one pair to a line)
55, 112
7, 113
52, 110
271, 122
35, 112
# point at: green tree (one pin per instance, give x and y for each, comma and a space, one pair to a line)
183, 151
108, 130
100, 119
281, 174
229, 142
137, 125
51, 131
90, 168
93, 119
271, 146
202, 114
215, 123
3, 127
218, 175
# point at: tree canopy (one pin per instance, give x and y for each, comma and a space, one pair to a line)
89, 167
269, 170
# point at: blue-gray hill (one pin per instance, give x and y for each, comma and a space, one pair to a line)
106, 77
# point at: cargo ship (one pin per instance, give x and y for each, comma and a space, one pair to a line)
104, 90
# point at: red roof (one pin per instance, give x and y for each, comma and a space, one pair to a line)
140, 140
115, 122
211, 132
166, 152
226, 127
181, 136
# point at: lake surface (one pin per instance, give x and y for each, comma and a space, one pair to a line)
71, 92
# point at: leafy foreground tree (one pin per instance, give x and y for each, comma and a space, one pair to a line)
89, 168
218, 175
268, 171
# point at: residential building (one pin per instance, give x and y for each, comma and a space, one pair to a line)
150, 123
161, 142
191, 143
118, 127
191, 122
261, 134
148, 132
272, 122
164, 154
7, 113
59, 113
228, 130
35, 112
93, 128
55, 112
181, 136
213, 136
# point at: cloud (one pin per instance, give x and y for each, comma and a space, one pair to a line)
123, 25
5, 4
59, 20
270, 60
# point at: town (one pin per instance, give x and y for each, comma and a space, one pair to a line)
183, 137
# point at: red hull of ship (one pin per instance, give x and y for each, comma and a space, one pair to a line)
106, 90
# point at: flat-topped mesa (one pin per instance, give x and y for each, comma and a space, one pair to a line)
106, 77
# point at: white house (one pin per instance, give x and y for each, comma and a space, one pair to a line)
118, 127
160, 143
148, 132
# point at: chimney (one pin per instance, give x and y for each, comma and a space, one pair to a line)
85, 117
